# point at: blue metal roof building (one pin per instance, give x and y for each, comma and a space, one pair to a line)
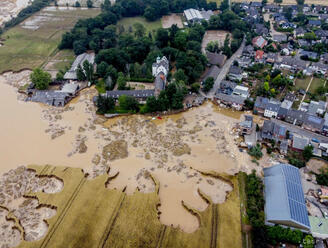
284, 197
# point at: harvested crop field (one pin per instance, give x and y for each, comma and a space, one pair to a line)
169, 20
111, 218
214, 35
34, 42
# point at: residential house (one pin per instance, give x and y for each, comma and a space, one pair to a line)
259, 55
283, 147
286, 106
244, 62
299, 142
235, 73
270, 8
314, 23
216, 58
295, 117
241, 91
267, 130
260, 105
140, 95
227, 87
213, 72
50, 97
279, 132
272, 58
304, 43
259, 42
292, 63
206, 14
248, 51
320, 33
324, 58
279, 38
80, 59
325, 125
313, 123
287, 25
261, 29
256, 4
272, 108
299, 32
70, 88
308, 55
319, 68
233, 101
317, 107
246, 126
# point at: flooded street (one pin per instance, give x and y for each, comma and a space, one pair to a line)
173, 150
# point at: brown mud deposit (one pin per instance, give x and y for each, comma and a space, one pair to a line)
22, 217
173, 150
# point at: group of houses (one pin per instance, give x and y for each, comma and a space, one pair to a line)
196, 16
63, 91
160, 69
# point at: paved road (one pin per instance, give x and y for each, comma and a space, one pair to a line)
224, 70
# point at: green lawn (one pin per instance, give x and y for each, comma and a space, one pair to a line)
316, 83
302, 83
26, 48
150, 26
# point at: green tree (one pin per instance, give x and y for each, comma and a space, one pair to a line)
150, 14
278, 1
106, 5
121, 81
88, 70
226, 47
308, 152
256, 152
77, 4
105, 104
152, 105
213, 47
195, 87
266, 86
179, 75
89, 3
322, 177
40, 79
300, 2
162, 37
224, 5
128, 103
80, 74
140, 30
308, 241
208, 84
102, 69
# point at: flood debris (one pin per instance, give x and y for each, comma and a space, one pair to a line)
30, 215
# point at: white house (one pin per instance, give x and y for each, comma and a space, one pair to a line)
160, 66
241, 91
272, 108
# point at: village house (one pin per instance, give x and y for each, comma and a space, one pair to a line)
259, 42
314, 23
279, 38
259, 56
261, 29
246, 126
308, 55
273, 131
235, 73
140, 95
314, 108
71, 74
160, 69
260, 105
216, 58
227, 87
213, 72
233, 101
272, 108
295, 117
248, 51
241, 91
292, 63
313, 123
270, 8
244, 62
299, 32
299, 142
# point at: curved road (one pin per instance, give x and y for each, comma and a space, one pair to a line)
224, 70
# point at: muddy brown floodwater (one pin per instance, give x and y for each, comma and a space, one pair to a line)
175, 150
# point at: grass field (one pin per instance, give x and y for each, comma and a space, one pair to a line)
302, 83
90, 215
150, 26
33, 42
322, 2
316, 83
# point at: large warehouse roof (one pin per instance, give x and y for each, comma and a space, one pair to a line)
193, 14
284, 197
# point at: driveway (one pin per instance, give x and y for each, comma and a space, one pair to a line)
224, 70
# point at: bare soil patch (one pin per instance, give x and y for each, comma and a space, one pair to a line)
316, 164
214, 35
169, 20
